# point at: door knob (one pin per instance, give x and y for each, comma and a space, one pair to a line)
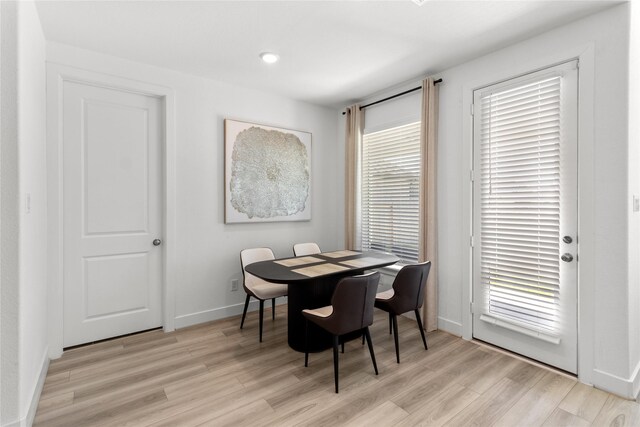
157, 242
567, 239
567, 257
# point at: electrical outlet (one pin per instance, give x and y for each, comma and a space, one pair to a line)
234, 285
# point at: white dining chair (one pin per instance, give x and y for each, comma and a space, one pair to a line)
256, 287
301, 249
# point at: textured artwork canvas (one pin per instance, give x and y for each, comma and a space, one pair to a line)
267, 173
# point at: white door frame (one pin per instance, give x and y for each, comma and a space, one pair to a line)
56, 76
586, 171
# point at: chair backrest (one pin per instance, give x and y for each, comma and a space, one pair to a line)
301, 249
408, 287
352, 302
249, 256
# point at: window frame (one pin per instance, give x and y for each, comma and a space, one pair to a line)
415, 129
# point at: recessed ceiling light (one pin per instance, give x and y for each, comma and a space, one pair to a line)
269, 57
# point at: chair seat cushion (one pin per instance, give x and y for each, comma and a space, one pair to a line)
265, 290
386, 295
319, 312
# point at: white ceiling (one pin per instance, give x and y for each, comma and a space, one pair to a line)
331, 52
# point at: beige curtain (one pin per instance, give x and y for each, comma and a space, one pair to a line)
428, 238
354, 126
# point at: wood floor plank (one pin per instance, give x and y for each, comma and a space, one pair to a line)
146, 379
112, 375
489, 373
584, 401
388, 414
562, 418
90, 413
315, 404
393, 379
74, 358
213, 394
527, 374
55, 402
122, 362
539, 402
224, 395
491, 405
414, 397
206, 383
207, 413
619, 413
54, 379
250, 414
217, 374
442, 407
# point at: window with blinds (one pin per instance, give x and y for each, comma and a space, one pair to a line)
520, 202
390, 191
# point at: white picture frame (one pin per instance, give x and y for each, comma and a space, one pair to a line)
267, 173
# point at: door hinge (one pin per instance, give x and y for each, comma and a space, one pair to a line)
471, 241
471, 307
471, 175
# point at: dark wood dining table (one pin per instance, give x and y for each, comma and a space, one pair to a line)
311, 281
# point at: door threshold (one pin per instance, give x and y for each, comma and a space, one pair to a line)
109, 339
525, 359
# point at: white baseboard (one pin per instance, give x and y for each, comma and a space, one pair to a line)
454, 328
623, 387
219, 313
635, 382
35, 398
28, 418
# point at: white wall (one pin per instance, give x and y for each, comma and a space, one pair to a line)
23, 250
9, 223
33, 224
207, 250
634, 189
602, 41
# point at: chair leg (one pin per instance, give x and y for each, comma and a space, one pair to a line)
390, 322
261, 320
424, 340
342, 347
335, 360
373, 356
306, 342
395, 336
273, 309
244, 313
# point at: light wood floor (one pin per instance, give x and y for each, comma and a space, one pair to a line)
215, 374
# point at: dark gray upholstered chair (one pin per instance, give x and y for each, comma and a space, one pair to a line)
406, 294
256, 287
302, 249
351, 310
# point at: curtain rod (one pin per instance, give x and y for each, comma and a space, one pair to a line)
394, 96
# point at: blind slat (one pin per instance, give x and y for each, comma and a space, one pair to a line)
390, 191
520, 201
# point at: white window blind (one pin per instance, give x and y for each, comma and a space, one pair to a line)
390, 191
520, 202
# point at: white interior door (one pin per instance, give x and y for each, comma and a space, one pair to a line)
525, 215
112, 212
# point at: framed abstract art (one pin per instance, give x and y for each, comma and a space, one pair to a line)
267, 173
